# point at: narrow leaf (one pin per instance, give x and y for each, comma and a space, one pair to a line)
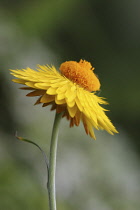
31, 142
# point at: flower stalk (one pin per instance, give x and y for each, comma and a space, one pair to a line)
52, 162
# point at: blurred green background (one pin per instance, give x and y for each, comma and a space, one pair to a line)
102, 174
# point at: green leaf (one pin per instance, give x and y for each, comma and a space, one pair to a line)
42, 151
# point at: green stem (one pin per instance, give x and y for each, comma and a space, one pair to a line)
52, 162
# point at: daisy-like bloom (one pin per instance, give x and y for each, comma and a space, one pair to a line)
71, 91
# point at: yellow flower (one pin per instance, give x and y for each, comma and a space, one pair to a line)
71, 91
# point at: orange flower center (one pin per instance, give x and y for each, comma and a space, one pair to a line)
81, 73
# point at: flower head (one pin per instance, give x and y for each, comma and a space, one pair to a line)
72, 91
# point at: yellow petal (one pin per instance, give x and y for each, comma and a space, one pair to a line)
61, 84
20, 81
79, 104
60, 96
51, 91
30, 84
46, 98
61, 89
43, 86
71, 103
72, 110
59, 101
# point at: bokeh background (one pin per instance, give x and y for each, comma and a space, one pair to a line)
102, 174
